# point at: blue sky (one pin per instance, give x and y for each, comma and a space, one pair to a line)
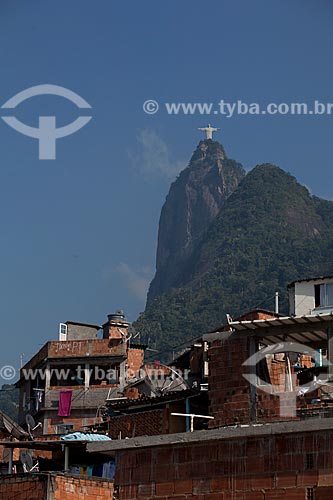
79, 233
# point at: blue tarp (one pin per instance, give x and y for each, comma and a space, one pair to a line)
81, 436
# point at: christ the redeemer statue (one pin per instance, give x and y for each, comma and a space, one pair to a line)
209, 131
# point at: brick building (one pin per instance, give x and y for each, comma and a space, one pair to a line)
80, 366
271, 436
290, 461
151, 400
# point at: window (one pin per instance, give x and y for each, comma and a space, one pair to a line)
309, 494
64, 428
324, 295
62, 331
309, 461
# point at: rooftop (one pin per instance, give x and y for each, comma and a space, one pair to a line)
309, 279
230, 432
310, 329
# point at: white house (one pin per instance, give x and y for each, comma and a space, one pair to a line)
311, 296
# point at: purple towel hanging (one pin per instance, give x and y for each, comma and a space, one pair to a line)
65, 403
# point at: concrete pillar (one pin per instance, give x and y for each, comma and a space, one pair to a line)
47, 378
122, 375
86, 376
66, 468
10, 461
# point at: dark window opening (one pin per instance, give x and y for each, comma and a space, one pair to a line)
309, 494
317, 295
324, 295
309, 461
67, 376
64, 428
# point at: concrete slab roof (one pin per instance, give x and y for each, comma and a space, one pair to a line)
225, 433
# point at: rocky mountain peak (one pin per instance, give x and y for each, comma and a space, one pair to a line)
193, 202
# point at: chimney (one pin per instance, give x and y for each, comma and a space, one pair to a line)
115, 329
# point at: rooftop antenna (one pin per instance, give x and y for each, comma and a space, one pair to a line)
277, 302
229, 319
192, 417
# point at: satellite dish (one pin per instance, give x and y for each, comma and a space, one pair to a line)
30, 421
26, 460
170, 380
31, 424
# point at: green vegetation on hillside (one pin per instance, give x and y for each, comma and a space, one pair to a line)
269, 232
9, 397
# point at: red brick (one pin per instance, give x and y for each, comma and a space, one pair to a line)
214, 496
165, 489
183, 486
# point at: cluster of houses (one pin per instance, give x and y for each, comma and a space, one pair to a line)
244, 412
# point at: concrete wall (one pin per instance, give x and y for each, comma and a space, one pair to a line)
302, 296
81, 332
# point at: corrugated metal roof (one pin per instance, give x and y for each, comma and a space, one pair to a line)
311, 328
284, 320
148, 401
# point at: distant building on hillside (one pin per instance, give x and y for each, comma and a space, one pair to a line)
311, 296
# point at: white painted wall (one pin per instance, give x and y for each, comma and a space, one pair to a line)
302, 297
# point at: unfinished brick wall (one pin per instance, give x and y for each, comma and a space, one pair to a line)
148, 423
54, 487
135, 357
72, 488
275, 467
232, 399
229, 392
23, 487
